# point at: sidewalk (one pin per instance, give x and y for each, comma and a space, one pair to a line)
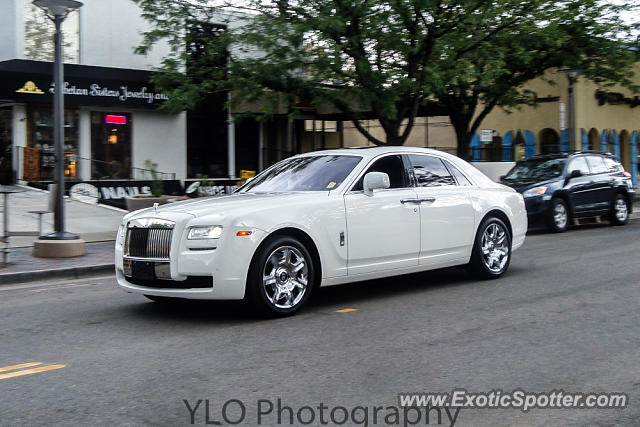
96, 224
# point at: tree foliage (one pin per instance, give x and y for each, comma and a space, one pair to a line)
387, 59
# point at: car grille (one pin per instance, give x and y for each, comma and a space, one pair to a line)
154, 243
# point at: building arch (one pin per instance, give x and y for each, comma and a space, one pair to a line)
529, 144
614, 139
549, 141
634, 158
594, 139
507, 147
625, 149
604, 138
518, 147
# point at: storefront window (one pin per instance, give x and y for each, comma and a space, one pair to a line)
6, 169
39, 35
110, 145
39, 155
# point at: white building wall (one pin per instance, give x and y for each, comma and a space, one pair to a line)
161, 139
110, 30
9, 33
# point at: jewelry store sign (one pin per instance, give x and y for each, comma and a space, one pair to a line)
123, 93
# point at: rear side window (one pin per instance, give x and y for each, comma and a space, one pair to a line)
460, 178
596, 164
612, 165
430, 171
579, 163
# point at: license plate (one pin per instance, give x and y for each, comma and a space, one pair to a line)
144, 270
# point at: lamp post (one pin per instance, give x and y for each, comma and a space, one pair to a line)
57, 11
572, 76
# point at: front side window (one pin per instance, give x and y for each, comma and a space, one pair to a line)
429, 171
310, 173
392, 166
596, 164
580, 164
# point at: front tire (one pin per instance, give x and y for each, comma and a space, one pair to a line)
559, 217
491, 253
620, 210
281, 277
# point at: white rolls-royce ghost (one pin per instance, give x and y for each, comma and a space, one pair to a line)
321, 219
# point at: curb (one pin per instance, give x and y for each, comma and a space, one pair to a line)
60, 273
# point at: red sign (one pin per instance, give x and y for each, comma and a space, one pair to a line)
115, 120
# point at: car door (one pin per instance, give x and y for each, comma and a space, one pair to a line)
447, 218
383, 230
601, 183
579, 189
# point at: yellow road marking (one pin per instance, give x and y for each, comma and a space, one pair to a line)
31, 371
20, 366
346, 310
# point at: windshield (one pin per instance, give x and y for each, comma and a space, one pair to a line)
312, 173
537, 169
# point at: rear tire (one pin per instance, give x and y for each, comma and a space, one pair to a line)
281, 277
491, 253
620, 210
559, 216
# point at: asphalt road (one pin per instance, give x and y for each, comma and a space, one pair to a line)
564, 317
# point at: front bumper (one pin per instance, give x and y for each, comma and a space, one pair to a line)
538, 210
227, 265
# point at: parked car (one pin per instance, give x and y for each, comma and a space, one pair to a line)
321, 219
559, 188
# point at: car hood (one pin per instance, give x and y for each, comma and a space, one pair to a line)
222, 204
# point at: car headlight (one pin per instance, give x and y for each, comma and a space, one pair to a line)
121, 232
208, 232
532, 192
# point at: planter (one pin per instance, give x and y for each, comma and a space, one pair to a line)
135, 203
6, 176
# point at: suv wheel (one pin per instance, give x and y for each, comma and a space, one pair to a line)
559, 218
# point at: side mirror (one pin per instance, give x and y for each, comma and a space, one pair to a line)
575, 174
375, 180
502, 177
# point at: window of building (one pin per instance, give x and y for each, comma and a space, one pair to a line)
39, 35
41, 145
430, 171
110, 145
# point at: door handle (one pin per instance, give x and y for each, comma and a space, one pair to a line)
427, 200
403, 201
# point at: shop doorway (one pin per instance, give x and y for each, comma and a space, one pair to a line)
549, 141
110, 145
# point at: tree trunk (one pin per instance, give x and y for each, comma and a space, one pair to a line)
461, 123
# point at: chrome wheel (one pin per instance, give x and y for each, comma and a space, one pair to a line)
285, 277
560, 216
620, 210
495, 247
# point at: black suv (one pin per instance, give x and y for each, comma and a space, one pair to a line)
558, 188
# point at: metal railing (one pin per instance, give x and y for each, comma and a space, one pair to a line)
38, 165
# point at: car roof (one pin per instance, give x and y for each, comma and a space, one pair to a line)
568, 154
369, 151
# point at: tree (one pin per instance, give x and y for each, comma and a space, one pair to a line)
386, 60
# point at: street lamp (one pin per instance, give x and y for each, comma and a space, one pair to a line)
57, 11
572, 76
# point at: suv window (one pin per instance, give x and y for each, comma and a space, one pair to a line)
612, 165
430, 171
392, 166
596, 164
460, 178
579, 163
